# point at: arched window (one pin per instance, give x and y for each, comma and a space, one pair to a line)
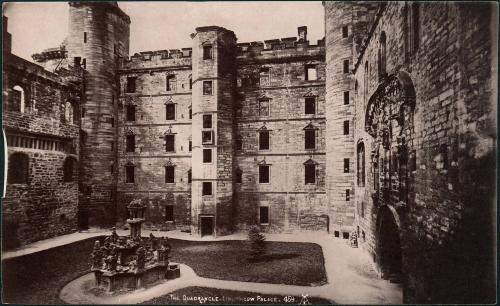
382, 59
18, 99
69, 169
361, 164
18, 171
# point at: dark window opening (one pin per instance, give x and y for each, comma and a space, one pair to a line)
207, 121
347, 195
239, 176
170, 143
18, 169
346, 97
346, 127
206, 137
263, 174
310, 139
169, 213
130, 112
169, 174
345, 31
130, 175
310, 105
77, 61
264, 107
207, 88
84, 37
206, 188
170, 111
84, 63
310, 174
190, 146
264, 215
207, 156
190, 113
382, 57
83, 112
131, 84
362, 209
264, 140
336, 234
361, 165
130, 143
239, 144
346, 66
190, 176
190, 83
346, 165
207, 52
345, 235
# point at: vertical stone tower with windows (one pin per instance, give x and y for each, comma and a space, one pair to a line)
346, 24
98, 38
212, 130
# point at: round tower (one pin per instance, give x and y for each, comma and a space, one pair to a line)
98, 38
346, 24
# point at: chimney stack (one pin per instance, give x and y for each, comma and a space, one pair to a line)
302, 33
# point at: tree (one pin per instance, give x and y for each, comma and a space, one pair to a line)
257, 243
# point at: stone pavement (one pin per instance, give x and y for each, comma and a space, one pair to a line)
350, 277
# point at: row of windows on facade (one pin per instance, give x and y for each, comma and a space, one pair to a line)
207, 138
310, 174
19, 169
310, 74
263, 213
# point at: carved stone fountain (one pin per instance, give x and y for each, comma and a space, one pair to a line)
124, 263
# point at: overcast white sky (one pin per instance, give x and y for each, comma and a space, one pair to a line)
167, 25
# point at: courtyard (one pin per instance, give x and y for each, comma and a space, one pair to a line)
316, 266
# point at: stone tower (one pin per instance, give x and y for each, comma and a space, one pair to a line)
346, 24
98, 38
212, 130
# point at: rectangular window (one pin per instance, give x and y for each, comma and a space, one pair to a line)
190, 176
346, 127
206, 188
207, 88
264, 140
130, 175
170, 143
84, 37
346, 97
77, 61
83, 112
130, 112
239, 144
190, 113
310, 174
207, 52
169, 213
170, 111
169, 174
171, 82
207, 137
362, 209
310, 139
131, 84
264, 215
345, 31
130, 146
190, 146
207, 121
239, 176
115, 49
264, 77
346, 165
264, 174
207, 156
311, 73
310, 105
264, 108
347, 195
84, 63
346, 66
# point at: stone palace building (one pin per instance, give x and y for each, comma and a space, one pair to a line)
385, 128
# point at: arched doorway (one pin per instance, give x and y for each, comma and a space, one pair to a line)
389, 245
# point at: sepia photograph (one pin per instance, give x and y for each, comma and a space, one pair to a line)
249, 152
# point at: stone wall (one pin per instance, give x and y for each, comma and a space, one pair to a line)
46, 204
446, 222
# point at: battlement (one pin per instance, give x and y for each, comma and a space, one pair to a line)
151, 59
108, 5
50, 54
280, 47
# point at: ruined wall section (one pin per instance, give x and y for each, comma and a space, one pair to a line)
44, 205
150, 126
98, 37
276, 71
446, 227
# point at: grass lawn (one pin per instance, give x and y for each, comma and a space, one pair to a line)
288, 263
203, 295
37, 278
